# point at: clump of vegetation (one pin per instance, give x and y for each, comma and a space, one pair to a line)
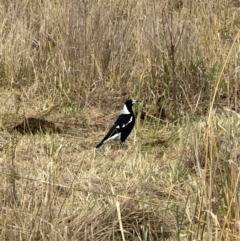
73, 64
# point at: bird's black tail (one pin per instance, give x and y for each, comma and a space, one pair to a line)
111, 132
98, 145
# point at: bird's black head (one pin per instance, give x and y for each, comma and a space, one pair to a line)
128, 106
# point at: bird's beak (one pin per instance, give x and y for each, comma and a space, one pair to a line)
134, 101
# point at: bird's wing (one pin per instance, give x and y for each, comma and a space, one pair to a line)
122, 121
113, 131
112, 134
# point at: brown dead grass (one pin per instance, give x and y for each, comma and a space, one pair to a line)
60, 187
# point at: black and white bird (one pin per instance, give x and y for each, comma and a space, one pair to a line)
123, 125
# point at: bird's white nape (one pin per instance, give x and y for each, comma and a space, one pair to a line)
125, 110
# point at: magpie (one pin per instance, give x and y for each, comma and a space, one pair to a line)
123, 125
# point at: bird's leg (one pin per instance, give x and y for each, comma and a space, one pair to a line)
123, 145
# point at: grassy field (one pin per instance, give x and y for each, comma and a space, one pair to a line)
75, 63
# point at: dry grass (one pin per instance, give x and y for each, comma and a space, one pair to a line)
181, 185
74, 63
